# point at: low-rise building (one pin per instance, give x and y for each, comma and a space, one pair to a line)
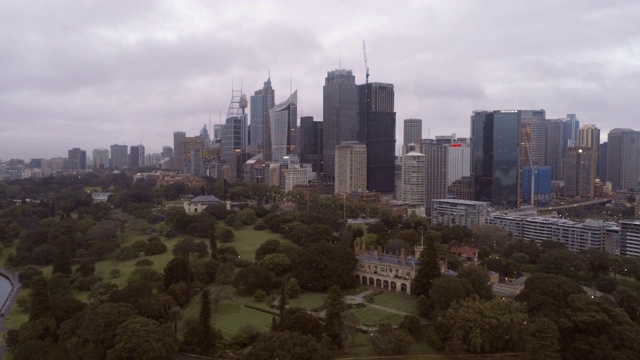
452, 212
199, 203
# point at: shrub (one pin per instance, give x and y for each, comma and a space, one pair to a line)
127, 253
144, 262
259, 295
259, 226
155, 248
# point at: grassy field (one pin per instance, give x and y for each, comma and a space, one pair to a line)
248, 240
397, 301
308, 300
370, 317
231, 315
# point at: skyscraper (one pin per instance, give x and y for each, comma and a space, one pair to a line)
414, 179
555, 145
77, 159
589, 138
623, 159
350, 167
533, 133
100, 158
570, 131
283, 123
261, 102
185, 160
495, 157
136, 156
178, 162
579, 172
310, 143
119, 157
377, 130
436, 166
412, 130
339, 114
234, 131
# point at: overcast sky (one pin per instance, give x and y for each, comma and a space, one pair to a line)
93, 73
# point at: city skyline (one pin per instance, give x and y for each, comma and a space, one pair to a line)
89, 75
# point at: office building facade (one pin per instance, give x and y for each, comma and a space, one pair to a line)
339, 115
100, 158
261, 102
412, 130
283, 124
623, 159
377, 130
77, 159
119, 157
350, 167
495, 160
310, 143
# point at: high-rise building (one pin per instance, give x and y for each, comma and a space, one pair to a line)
458, 156
350, 167
119, 157
602, 162
555, 145
377, 130
495, 161
136, 156
533, 133
310, 143
100, 158
178, 163
412, 130
261, 102
339, 115
579, 172
184, 159
623, 159
283, 123
234, 132
630, 238
570, 130
436, 164
77, 159
414, 179
204, 133
589, 137
167, 152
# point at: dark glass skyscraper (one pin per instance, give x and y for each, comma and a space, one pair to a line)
494, 157
310, 142
339, 115
377, 129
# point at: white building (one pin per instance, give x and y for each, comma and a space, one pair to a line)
414, 179
452, 212
630, 237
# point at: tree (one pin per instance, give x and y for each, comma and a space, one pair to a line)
333, 324
224, 234
253, 278
200, 335
591, 329
39, 299
276, 263
143, 339
323, 265
389, 341
299, 320
146, 275
429, 269
599, 261
546, 294
445, 291
213, 244
562, 262
285, 345
543, 340
188, 246
63, 254
484, 326
478, 278
27, 274
268, 247
178, 270
293, 289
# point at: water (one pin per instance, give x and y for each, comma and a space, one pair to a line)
5, 289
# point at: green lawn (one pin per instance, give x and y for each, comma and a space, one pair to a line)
308, 300
397, 301
231, 315
371, 317
247, 241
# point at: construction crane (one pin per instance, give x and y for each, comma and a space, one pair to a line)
366, 65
